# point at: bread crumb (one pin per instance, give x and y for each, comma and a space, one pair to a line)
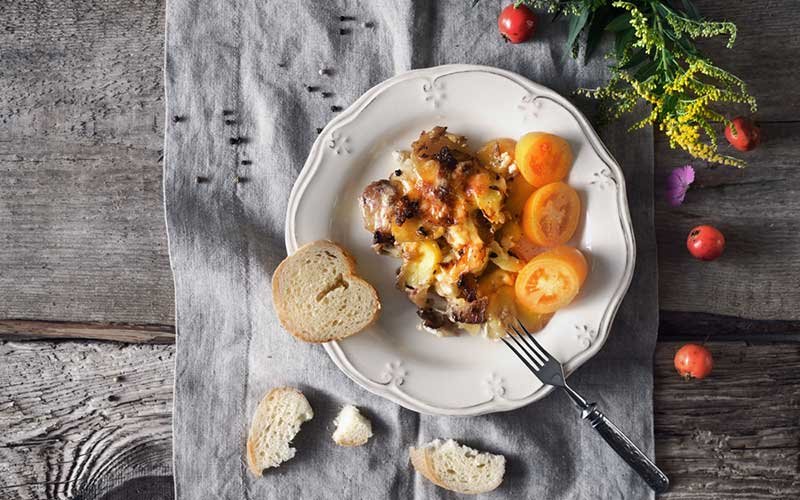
352, 428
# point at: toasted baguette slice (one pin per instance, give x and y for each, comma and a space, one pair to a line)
318, 296
458, 468
275, 423
352, 428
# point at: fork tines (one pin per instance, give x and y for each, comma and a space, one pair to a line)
528, 350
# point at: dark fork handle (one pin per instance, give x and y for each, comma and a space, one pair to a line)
625, 448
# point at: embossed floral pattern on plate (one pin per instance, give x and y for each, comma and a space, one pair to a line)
392, 358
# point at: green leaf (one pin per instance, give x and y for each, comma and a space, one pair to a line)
661, 9
623, 40
646, 71
619, 23
636, 59
595, 33
691, 10
576, 25
686, 45
670, 101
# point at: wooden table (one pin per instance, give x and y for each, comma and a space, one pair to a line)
83, 260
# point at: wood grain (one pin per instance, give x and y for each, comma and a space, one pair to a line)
78, 417
735, 435
71, 425
81, 130
81, 121
758, 209
673, 326
82, 246
119, 332
764, 53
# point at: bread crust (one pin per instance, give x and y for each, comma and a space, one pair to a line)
280, 304
346, 443
250, 449
422, 461
251, 459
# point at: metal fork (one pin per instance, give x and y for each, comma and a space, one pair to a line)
550, 372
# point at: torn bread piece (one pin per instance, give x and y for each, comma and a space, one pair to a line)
319, 297
275, 423
458, 468
352, 428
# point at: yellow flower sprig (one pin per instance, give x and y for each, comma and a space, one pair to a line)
656, 61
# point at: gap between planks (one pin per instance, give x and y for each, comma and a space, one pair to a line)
20, 329
674, 326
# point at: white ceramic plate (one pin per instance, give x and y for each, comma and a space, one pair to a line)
458, 375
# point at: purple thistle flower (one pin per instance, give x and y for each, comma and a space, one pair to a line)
678, 183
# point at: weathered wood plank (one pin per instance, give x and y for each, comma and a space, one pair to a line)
736, 434
757, 209
67, 421
673, 326
39, 330
764, 53
81, 129
78, 416
81, 118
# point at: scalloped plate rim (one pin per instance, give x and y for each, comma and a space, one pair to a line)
392, 391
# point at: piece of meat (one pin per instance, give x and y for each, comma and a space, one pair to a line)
434, 203
433, 319
382, 238
377, 206
468, 287
468, 312
404, 209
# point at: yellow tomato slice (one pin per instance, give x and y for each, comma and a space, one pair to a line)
551, 280
543, 158
551, 214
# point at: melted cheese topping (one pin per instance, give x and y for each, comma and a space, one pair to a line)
446, 209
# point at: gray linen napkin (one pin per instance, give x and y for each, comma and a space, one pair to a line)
238, 69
